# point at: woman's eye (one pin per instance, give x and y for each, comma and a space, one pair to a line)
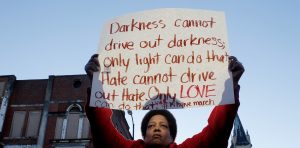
150, 126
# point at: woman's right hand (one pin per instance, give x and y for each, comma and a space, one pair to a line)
92, 66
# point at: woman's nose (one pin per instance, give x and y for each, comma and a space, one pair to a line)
156, 128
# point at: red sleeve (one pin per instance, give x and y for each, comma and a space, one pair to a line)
103, 131
217, 132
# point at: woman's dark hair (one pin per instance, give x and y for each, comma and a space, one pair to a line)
168, 115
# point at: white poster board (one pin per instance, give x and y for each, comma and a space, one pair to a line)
162, 59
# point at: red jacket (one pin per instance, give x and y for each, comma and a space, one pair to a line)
214, 135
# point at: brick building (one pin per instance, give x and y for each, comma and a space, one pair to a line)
48, 113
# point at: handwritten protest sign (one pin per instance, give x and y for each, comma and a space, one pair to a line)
161, 59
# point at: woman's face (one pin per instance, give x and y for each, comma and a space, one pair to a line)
158, 132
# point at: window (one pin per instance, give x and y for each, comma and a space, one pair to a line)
58, 127
17, 124
19, 127
33, 123
72, 126
2, 87
76, 83
85, 128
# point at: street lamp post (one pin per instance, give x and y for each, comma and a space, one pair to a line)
130, 113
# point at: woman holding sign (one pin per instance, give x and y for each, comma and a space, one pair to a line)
159, 127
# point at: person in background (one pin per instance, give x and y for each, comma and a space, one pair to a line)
159, 128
